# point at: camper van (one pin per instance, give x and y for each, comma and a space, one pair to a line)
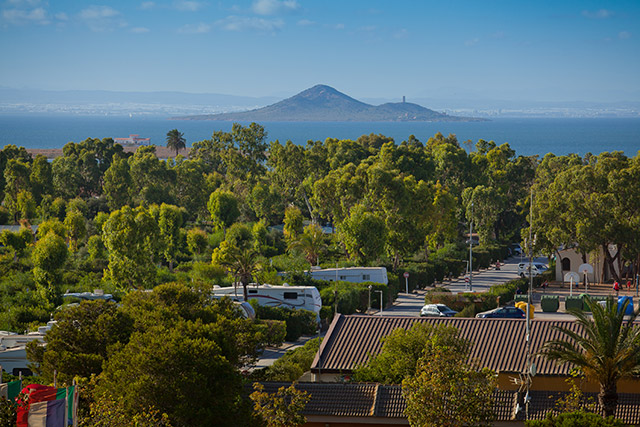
352, 274
294, 297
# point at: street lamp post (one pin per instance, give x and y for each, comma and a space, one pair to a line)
471, 249
381, 303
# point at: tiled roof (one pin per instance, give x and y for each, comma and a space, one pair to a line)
386, 401
545, 402
371, 400
499, 344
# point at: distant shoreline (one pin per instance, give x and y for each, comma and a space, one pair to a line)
161, 152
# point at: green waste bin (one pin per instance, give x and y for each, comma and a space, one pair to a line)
550, 303
573, 303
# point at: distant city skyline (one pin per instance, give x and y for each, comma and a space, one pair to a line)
525, 50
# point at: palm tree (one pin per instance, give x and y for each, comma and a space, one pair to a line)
606, 350
175, 140
311, 242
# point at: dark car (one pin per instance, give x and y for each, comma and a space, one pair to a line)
502, 313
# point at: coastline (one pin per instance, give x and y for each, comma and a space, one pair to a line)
161, 152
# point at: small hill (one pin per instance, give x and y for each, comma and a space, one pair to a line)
325, 104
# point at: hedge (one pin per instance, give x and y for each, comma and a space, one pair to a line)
298, 322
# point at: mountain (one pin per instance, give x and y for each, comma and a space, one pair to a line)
325, 104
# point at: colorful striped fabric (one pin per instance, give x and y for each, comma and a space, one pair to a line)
45, 407
10, 390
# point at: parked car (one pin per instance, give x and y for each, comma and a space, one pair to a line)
502, 313
516, 249
536, 269
437, 310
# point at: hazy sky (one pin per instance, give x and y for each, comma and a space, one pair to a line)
514, 50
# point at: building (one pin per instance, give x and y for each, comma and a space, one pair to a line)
570, 260
499, 344
133, 139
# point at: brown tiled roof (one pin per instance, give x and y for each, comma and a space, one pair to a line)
544, 402
386, 401
499, 344
371, 400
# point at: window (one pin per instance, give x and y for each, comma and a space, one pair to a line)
343, 277
253, 291
290, 295
366, 277
566, 264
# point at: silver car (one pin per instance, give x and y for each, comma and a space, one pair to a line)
437, 310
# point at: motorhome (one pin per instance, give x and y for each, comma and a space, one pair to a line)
294, 297
352, 274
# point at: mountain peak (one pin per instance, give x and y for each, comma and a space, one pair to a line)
324, 103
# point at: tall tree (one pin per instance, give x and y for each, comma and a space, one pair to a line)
606, 349
223, 207
176, 141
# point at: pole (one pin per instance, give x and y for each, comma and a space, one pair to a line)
406, 284
369, 306
528, 341
471, 250
381, 303
571, 287
335, 291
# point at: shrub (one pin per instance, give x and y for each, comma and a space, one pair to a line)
298, 322
577, 418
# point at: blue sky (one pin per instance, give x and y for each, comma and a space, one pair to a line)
511, 50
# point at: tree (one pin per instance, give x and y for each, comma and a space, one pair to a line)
447, 389
196, 241
48, 257
237, 253
175, 140
76, 228
282, 408
364, 234
130, 237
293, 222
169, 223
117, 183
311, 242
223, 207
401, 351
606, 350
77, 345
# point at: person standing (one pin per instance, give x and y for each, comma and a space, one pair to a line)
616, 287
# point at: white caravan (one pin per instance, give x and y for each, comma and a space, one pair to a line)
294, 297
352, 274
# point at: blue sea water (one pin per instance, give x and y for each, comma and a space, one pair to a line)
528, 136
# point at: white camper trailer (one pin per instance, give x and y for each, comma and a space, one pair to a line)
352, 274
294, 297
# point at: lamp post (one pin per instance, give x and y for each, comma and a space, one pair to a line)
381, 303
471, 249
369, 306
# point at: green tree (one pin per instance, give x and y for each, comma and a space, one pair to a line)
117, 183
78, 344
223, 207
197, 241
48, 257
176, 141
576, 418
169, 223
237, 253
130, 236
447, 389
282, 408
293, 223
364, 234
311, 242
41, 177
76, 227
606, 350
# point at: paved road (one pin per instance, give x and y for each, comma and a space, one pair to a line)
410, 304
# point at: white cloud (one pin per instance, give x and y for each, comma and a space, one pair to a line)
338, 27
241, 23
624, 35
306, 23
26, 16
471, 42
140, 30
271, 7
61, 16
101, 18
598, 14
188, 5
200, 28
147, 5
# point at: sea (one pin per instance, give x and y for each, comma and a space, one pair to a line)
527, 136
